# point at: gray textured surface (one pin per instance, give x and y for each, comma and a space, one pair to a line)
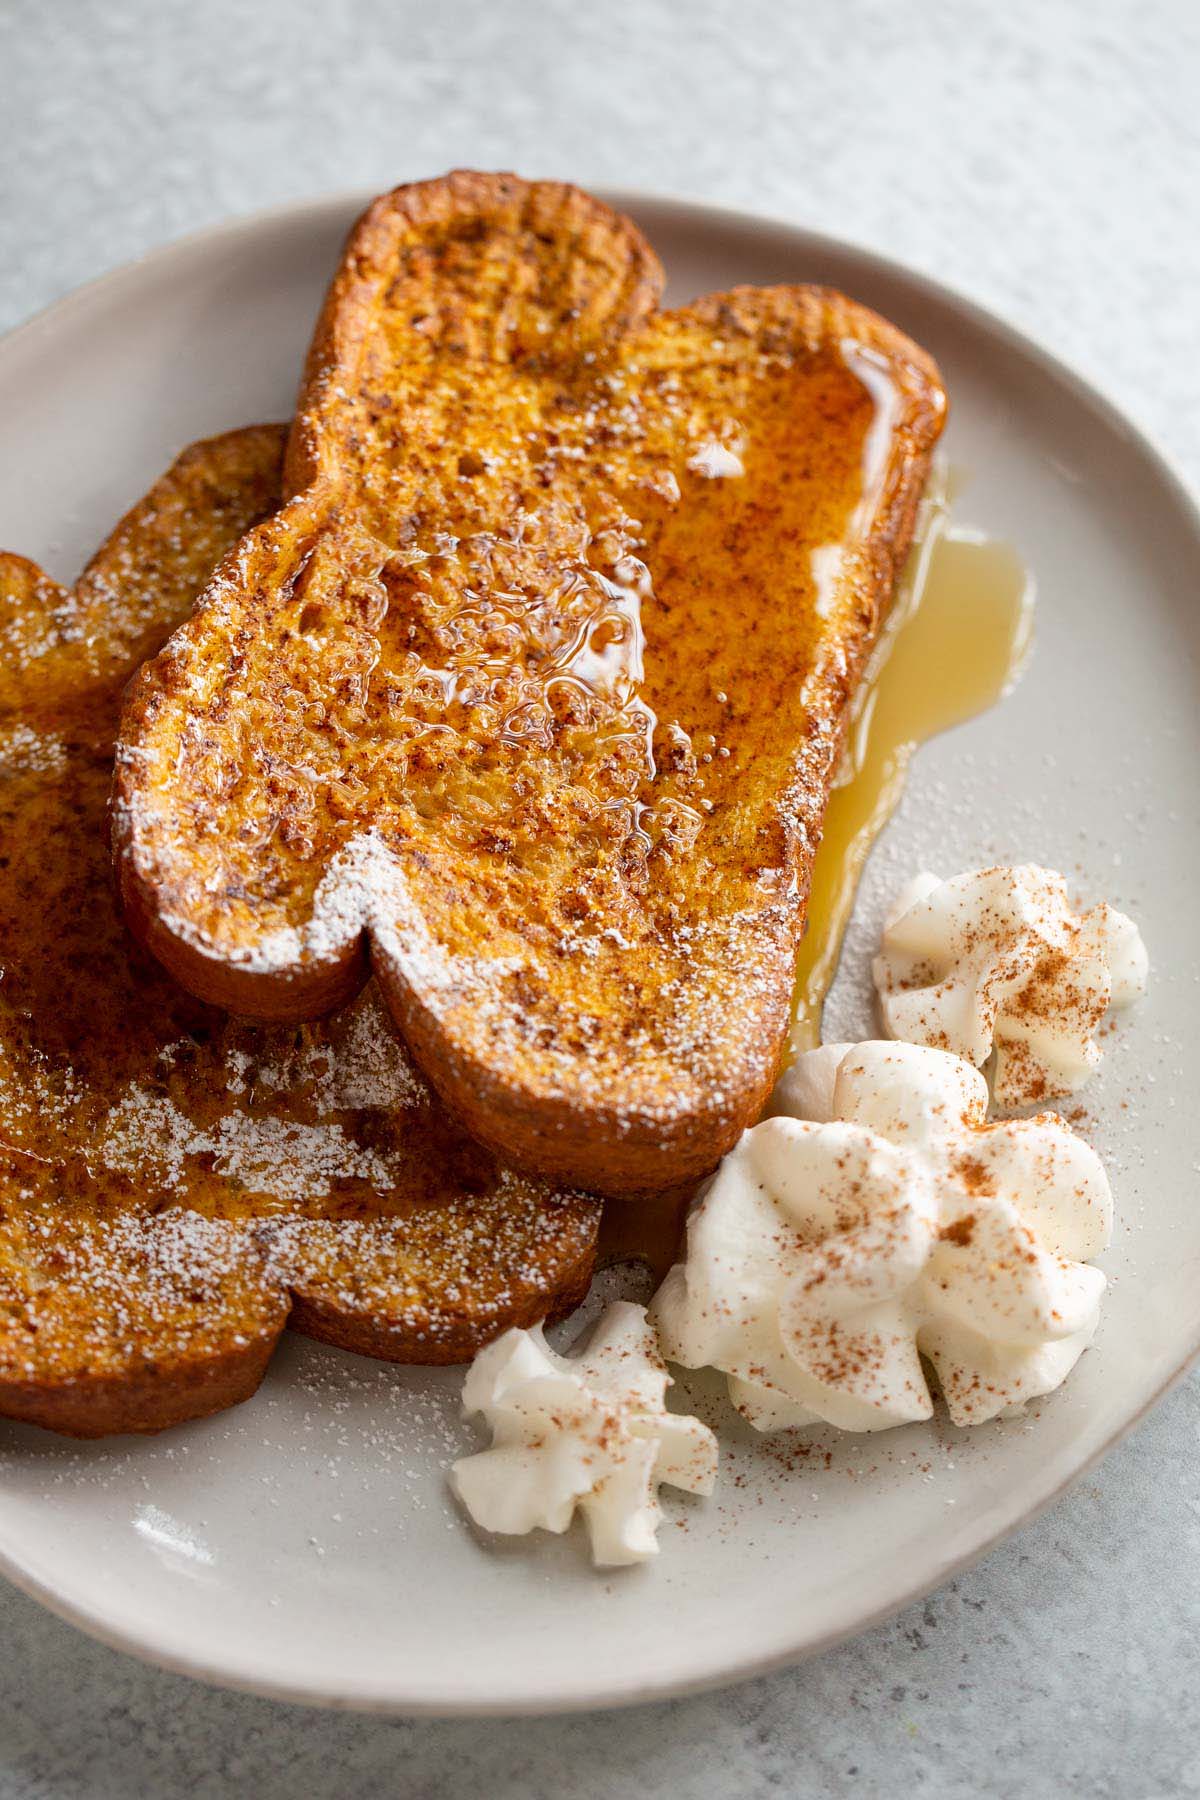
1043, 156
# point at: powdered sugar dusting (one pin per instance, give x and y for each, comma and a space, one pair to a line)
24, 749
281, 1158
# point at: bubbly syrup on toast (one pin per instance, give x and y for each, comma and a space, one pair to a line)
612, 666
959, 633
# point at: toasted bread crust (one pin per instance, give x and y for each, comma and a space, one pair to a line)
129, 1323
175, 1185
540, 678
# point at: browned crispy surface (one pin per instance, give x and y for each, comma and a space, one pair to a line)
539, 678
174, 1185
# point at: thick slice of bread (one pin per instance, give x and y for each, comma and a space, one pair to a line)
175, 1185
537, 684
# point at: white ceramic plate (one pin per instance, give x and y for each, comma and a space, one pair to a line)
304, 1545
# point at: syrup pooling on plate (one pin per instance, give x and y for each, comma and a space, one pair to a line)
647, 1231
961, 630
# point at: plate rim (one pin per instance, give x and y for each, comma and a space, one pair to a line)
352, 201
1162, 463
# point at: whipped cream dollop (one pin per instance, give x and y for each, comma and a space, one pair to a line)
876, 1220
999, 960
588, 1432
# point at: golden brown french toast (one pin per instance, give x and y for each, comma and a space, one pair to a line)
176, 1185
534, 688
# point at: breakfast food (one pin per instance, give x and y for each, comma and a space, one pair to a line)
176, 1185
588, 1433
535, 686
877, 1220
999, 960
488, 776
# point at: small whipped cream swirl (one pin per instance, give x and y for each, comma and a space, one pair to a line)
877, 1220
997, 959
588, 1432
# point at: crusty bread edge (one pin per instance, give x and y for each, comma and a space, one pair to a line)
340, 334
146, 1398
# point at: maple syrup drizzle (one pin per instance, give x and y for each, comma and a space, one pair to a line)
960, 630
645, 1231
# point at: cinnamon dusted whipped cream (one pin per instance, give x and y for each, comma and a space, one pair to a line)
998, 960
588, 1432
876, 1220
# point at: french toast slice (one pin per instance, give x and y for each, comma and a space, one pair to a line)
175, 1185
533, 691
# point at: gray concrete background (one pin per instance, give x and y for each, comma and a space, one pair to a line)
1045, 157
